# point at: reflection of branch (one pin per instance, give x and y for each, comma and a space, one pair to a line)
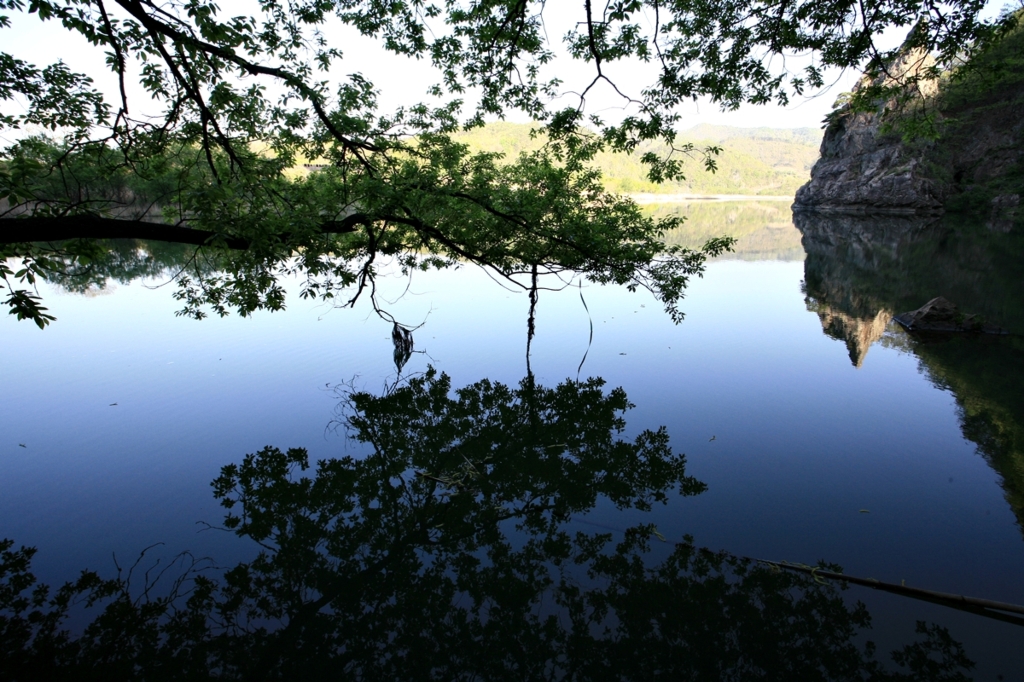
981, 607
193, 567
55, 229
22, 230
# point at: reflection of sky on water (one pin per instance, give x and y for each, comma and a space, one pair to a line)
803, 440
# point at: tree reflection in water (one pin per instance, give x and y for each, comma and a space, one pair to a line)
448, 552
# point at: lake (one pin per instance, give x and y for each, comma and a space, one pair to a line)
539, 520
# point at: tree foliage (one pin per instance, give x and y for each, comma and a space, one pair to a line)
245, 93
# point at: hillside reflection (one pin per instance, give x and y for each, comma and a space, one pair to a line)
861, 271
763, 229
450, 551
90, 268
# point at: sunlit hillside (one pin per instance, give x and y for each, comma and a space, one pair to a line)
762, 161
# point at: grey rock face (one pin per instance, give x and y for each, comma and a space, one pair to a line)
1005, 208
974, 165
862, 171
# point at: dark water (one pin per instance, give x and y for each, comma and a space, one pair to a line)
474, 523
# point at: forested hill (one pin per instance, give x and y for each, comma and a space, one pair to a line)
763, 161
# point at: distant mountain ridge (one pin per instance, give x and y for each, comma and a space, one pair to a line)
754, 161
708, 131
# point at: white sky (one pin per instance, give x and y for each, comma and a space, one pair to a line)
403, 81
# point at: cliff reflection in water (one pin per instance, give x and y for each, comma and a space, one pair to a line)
860, 271
450, 552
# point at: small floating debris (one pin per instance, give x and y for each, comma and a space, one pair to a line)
865, 511
401, 337
941, 315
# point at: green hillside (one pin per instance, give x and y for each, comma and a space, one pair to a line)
761, 161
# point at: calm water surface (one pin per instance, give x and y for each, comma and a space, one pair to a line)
821, 431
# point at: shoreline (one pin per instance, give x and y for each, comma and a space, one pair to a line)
649, 198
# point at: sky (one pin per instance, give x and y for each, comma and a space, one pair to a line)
403, 81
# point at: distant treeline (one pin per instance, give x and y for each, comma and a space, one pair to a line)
763, 161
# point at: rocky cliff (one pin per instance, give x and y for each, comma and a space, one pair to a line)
973, 163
